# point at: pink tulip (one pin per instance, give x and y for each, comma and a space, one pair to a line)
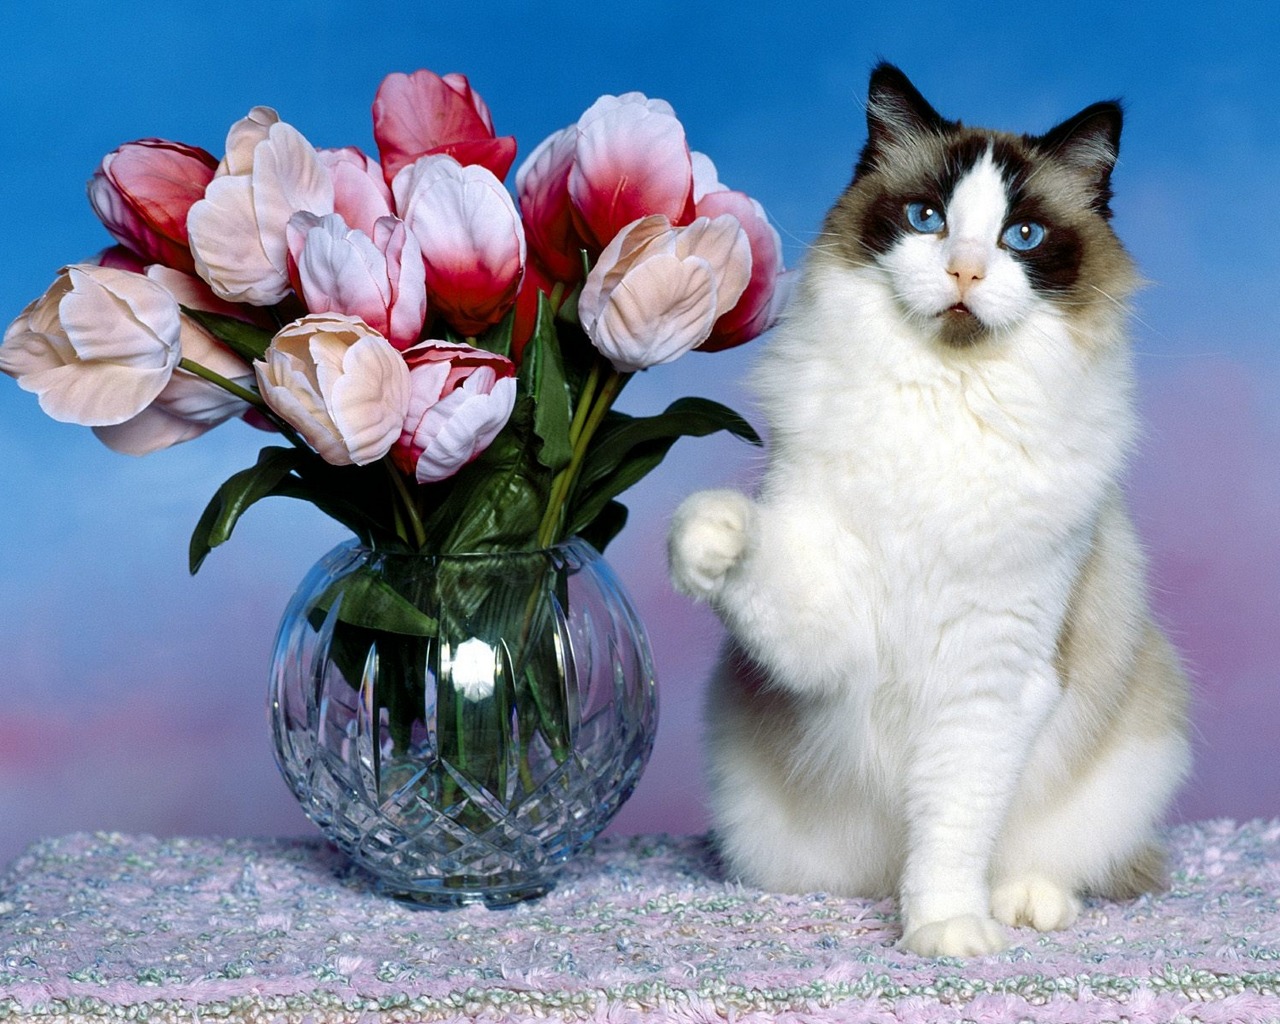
142, 193
542, 186
97, 348
657, 290
238, 231
342, 270
461, 398
360, 193
339, 383
189, 406
631, 160
422, 113
471, 238
760, 304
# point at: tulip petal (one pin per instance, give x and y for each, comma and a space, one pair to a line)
663, 308
287, 178
368, 402
724, 245
649, 234
122, 317
631, 161
243, 138
423, 113
227, 248
151, 430
94, 394
463, 424
760, 303
360, 193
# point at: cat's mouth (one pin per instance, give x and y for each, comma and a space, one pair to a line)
959, 326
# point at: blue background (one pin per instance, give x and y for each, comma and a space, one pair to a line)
132, 696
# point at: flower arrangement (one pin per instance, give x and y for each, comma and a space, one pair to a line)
439, 358
440, 361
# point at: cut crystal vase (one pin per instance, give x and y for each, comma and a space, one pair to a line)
460, 726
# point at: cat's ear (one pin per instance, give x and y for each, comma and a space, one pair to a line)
896, 113
1089, 143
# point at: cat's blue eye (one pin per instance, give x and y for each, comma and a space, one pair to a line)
1024, 236
925, 218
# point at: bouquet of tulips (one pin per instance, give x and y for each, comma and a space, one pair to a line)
439, 359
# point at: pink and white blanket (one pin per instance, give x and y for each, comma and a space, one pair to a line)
97, 928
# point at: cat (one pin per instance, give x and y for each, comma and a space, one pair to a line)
943, 681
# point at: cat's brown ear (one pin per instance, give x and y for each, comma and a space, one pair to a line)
896, 113
1089, 143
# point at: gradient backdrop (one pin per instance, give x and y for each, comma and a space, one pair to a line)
132, 696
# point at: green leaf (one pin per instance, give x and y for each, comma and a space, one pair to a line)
627, 448
369, 601
542, 375
605, 526
248, 341
235, 495
497, 339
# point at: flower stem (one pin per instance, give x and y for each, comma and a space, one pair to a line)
596, 401
245, 395
410, 506
230, 386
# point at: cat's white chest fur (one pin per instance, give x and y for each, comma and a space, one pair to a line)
955, 497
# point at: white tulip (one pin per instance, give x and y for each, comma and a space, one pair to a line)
98, 347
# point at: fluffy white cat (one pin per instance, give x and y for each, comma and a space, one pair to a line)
943, 680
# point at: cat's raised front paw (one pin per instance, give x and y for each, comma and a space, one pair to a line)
708, 535
1035, 901
966, 935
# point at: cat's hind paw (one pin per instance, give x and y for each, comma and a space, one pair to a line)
1035, 901
707, 538
965, 935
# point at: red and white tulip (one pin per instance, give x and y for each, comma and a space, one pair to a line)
631, 160
471, 237
380, 279
460, 399
423, 113
143, 191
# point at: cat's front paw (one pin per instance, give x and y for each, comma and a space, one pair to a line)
965, 935
1035, 901
708, 536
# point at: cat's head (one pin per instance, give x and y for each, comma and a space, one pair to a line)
977, 230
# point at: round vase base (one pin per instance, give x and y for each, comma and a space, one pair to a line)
447, 896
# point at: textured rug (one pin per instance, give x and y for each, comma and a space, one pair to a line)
111, 927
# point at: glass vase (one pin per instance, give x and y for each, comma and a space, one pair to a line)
462, 725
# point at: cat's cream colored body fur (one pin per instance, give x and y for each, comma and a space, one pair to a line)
943, 681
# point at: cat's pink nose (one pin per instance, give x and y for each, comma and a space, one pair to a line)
967, 269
